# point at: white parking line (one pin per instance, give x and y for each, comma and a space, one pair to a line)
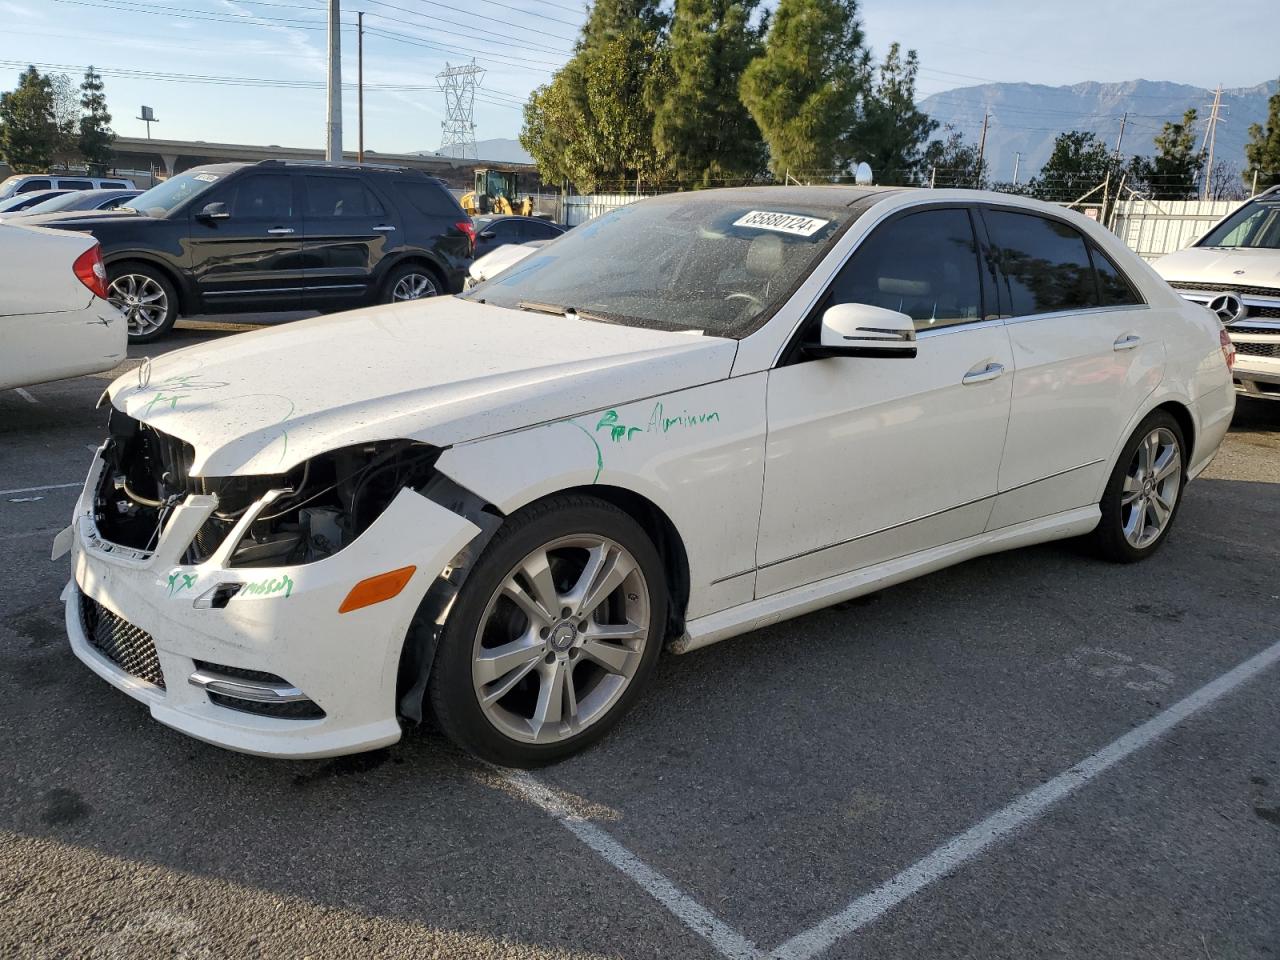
727, 941
52, 486
1026, 808
25, 396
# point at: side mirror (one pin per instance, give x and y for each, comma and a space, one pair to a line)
487, 235
215, 211
861, 330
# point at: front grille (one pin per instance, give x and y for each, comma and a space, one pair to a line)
1258, 349
1254, 331
128, 647
1269, 312
1242, 289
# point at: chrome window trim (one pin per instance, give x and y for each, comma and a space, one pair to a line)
1083, 311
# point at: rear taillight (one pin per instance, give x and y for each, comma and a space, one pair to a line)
89, 270
469, 228
1228, 349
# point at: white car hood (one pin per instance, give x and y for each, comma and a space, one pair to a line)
1251, 267
497, 260
441, 371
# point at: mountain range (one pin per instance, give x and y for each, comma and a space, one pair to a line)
1025, 117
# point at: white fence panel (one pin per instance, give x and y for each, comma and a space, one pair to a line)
581, 209
1152, 228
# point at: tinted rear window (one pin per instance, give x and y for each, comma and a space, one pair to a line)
1044, 264
429, 198
1114, 289
114, 185
75, 185
340, 197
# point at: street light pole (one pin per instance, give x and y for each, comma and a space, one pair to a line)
360, 83
333, 140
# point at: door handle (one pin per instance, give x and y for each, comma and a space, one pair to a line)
982, 374
1127, 342
384, 228
280, 230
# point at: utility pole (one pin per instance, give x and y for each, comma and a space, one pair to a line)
982, 149
360, 83
333, 130
1120, 139
1017, 162
1211, 136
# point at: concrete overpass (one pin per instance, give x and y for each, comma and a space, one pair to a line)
168, 157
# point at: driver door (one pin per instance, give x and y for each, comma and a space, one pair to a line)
869, 459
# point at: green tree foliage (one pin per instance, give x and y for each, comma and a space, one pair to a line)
95, 135
1172, 174
803, 90
1079, 162
1263, 149
892, 131
952, 162
593, 123
700, 120
29, 136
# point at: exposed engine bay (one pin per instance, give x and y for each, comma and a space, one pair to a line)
322, 505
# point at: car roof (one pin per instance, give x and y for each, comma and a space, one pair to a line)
822, 195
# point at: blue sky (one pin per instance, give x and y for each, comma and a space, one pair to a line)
282, 42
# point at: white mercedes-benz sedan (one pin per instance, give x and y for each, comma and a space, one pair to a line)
694, 416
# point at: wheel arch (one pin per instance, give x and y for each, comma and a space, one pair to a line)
411, 258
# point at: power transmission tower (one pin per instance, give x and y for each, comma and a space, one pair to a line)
458, 130
1210, 138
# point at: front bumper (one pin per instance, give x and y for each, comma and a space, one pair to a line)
286, 625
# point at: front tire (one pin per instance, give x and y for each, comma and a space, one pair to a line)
1144, 491
554, 635
146, 298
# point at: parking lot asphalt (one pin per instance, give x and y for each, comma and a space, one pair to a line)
761, 788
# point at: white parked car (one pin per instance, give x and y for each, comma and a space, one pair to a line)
696, 415
55, 320
1234, 270
499, 259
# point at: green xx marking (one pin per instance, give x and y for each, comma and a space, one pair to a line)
179, 581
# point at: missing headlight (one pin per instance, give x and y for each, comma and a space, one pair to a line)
335, 497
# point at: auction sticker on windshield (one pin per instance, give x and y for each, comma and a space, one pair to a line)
791, 223
206, 177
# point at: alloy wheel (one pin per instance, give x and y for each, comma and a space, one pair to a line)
141, 299
1150, 489
561, 639
413, 286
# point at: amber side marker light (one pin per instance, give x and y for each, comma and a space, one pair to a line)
373, 590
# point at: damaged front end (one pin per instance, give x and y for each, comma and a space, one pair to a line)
311, 511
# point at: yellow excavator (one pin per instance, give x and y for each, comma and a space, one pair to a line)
496, 191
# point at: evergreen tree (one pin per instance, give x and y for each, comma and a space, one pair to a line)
1079, 163
952, 162
1263, 149
28, 125
593, 123
803, 89
891, 134
1173, 172
95, 133
700, 122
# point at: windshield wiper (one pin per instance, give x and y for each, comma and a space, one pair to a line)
550, 308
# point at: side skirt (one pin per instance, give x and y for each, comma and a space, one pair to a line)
798, 601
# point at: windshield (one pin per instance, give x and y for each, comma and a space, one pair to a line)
1256, 224
167, 196
54, 204
717, 263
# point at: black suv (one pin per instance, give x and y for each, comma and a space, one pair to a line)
279, 235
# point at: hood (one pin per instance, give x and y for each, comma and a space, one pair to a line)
495, 261
81, 217
1247, 266
440, 371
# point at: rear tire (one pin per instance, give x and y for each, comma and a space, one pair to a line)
145, 296
554, 635
412, 281
1144, 491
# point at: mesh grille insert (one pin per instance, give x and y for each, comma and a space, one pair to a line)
127, 646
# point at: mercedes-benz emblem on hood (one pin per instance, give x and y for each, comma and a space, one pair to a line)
144, 373
1228, 306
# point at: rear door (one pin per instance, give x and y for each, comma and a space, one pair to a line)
498, 233
347, 230
1087, 352
252, 259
